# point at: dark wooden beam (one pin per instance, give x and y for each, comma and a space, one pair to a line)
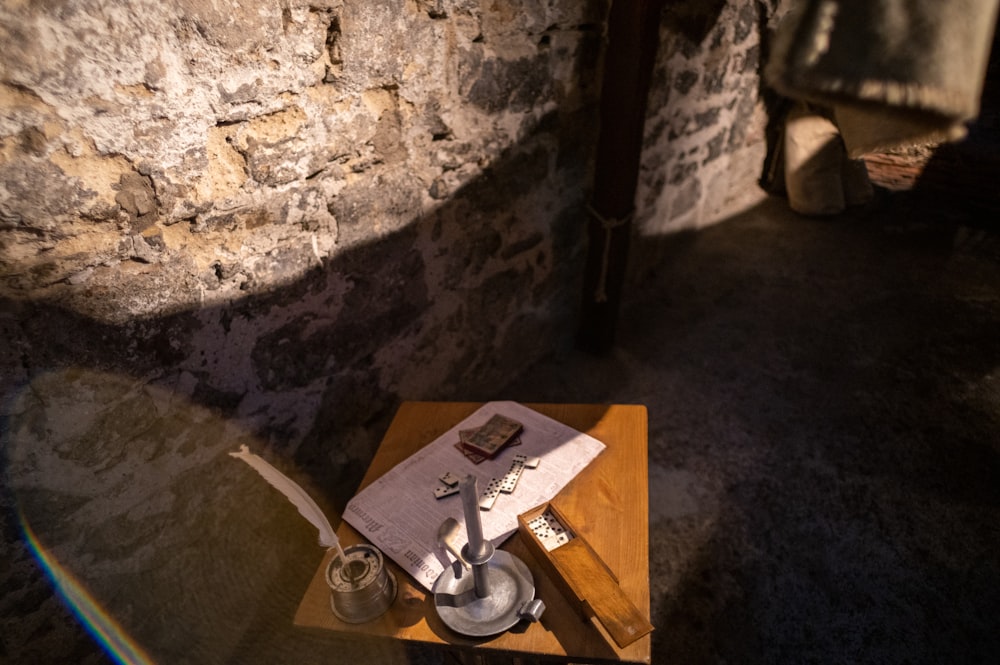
630, 51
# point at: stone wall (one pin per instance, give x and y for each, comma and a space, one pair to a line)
259, 200
707, 120
262, 222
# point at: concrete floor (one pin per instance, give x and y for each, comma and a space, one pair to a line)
824, 401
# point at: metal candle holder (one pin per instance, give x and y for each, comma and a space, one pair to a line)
499, 592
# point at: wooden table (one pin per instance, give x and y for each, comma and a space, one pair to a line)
608, 503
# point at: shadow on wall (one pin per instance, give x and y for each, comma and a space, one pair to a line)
116, 439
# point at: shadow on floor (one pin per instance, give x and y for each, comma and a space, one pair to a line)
824, 400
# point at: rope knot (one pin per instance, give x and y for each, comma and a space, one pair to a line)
609, 224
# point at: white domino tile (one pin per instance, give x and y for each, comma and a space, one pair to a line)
441, 491
550, 532
489, 495
449, 479
528, 462
509, 481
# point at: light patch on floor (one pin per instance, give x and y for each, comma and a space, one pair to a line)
675, 493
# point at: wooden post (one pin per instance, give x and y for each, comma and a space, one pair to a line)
630, 51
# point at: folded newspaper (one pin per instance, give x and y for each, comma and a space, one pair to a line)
400, 515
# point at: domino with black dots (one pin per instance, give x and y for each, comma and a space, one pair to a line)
449, 479
489, 495
551, 533
441, 491
509, 481
528, 462
449, 486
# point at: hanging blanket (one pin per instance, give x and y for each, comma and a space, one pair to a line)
895, 72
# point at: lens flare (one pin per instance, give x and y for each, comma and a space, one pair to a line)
98, 623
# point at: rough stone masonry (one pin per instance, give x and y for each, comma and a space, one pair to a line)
336, 184
268, 222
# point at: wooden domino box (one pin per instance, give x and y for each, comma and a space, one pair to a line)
581, 575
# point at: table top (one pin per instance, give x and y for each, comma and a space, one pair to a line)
608, 503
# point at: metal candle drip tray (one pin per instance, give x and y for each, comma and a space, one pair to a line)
512, 591
361, 587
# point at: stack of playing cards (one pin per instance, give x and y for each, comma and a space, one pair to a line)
484, 442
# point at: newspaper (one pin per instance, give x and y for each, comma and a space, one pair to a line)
400, 515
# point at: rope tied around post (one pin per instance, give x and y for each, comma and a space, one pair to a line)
609, 224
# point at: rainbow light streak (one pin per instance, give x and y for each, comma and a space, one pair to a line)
105, 630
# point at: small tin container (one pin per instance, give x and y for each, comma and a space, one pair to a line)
361, 587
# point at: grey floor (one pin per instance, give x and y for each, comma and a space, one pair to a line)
824, 402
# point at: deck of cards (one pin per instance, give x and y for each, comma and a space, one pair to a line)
484, 442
